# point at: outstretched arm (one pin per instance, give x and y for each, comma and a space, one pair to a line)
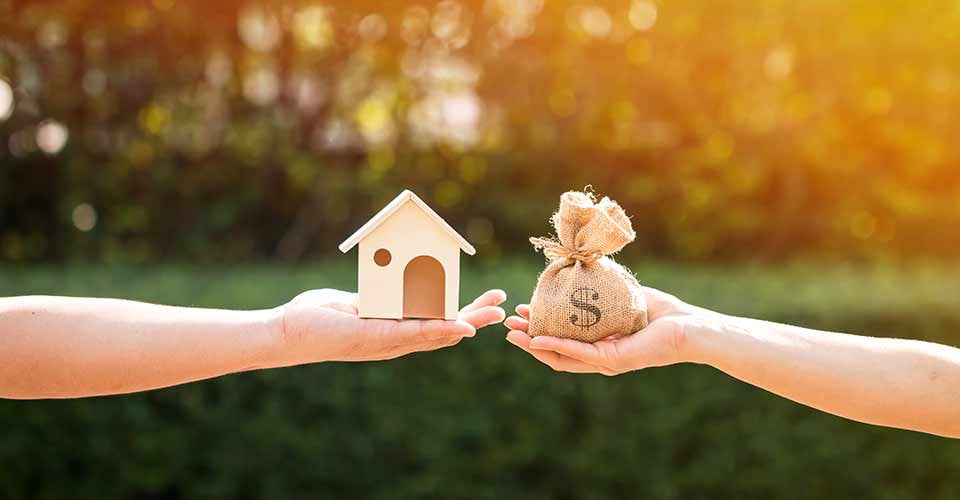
901, 383
60, 347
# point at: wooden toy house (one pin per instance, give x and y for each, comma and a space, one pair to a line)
409, 262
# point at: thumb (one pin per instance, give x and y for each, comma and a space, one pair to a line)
656, 345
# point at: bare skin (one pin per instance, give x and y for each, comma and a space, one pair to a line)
901, 383
66, 347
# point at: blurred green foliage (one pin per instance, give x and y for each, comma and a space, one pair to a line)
228, 131
483, 420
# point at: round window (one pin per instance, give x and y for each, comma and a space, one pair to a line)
382, 257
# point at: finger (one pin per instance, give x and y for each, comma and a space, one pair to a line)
488, 298
432, 345
560, 363
487, 315
397, 351
517, 323
555, 360
412, 331
519, 339
655, 345
524, 311
588, 353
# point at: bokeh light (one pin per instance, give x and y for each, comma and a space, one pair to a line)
52, 34
94, 81
261, 86
84, 217
779, 63
219, 69
643, 14
52, 136
312, 27
374, 117
6, 100
517, 18
259, 29
450, 23
594, 20
415, 24
372, 27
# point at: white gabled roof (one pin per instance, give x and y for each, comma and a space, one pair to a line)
392, 207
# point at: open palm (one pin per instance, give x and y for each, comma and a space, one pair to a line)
322, 325
659, 344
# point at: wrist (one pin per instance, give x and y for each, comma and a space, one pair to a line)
703, 337
268, 325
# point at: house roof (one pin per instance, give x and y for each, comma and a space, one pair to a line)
392, 207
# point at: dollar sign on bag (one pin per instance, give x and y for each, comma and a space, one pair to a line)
580, 298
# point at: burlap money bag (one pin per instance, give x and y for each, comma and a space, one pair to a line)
583, 294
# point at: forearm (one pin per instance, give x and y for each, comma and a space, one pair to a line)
893, 382
54, 347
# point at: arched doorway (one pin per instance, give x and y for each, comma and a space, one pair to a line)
423, 288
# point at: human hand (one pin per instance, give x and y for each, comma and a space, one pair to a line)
660, 343
322, 325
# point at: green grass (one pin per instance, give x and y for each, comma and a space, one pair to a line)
483, 420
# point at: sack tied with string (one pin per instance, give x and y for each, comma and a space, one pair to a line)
583, 294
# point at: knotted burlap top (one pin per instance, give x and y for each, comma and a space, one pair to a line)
583, 294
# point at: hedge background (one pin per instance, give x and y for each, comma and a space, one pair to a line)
483, 420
